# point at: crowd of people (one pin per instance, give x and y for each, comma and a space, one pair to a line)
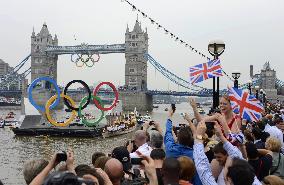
219, 148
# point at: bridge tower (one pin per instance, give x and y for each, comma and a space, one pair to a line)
136, 45
43, 64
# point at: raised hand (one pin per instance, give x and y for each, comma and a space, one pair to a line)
70, 161
53, 162
218, 130
201, 128
186, 117
150, 169
192, 102
220, 118
171, 113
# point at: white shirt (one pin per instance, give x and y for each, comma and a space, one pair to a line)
145, 149
275, 132
221, 180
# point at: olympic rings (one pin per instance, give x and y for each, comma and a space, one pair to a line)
48, 116
115, 92
41, 108
89, 124
70, 103
85, 61
89, 94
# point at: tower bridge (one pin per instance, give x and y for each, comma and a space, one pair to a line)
45, 51
44, 56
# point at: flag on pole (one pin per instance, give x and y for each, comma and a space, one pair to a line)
204, 71
244, 104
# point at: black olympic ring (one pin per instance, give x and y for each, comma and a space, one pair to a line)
89, 94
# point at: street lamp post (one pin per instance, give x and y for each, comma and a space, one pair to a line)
249, 86
262, 96
256, 91
264, 99
216, 48
236, 75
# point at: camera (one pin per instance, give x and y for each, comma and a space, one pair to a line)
176, 129
128, 142
136, 161
216, 110
66, 178
151, 123
61, 156
173, 107
210, 125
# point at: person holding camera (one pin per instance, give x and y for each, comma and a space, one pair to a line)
55, 160
227, 115
155, 134
140, 141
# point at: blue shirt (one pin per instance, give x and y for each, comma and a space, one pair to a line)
177, 150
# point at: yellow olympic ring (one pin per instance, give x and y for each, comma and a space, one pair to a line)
82, 60
48, 116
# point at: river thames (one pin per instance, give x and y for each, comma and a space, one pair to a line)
16, 150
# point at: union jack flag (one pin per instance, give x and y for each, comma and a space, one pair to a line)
204, 71
244, 104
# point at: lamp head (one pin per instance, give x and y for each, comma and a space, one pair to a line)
236, 74
216, 47
250, 82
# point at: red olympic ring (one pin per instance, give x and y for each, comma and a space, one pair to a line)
98, 105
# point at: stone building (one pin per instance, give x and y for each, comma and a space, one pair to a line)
268, 83
43, 64
136, 44
4, 68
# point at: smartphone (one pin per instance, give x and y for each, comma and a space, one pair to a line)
173, 107
61, 156
176, 129
136, 161
210, 125
217, 111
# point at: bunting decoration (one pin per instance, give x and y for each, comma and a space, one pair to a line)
171, 34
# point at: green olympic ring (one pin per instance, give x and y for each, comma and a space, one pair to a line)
83, 101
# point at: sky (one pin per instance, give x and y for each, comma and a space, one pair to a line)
251, 29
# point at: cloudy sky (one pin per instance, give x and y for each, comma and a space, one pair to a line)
251, 29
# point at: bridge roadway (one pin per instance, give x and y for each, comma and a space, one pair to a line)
81, 93
86, 49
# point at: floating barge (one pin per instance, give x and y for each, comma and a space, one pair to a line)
31, 126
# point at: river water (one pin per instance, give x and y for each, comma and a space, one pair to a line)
16, 150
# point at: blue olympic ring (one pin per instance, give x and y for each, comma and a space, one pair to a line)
42, 108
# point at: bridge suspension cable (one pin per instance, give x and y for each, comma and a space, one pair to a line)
171, 76
13, 75
279, 83
16, 68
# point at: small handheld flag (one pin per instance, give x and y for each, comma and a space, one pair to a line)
205, 71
